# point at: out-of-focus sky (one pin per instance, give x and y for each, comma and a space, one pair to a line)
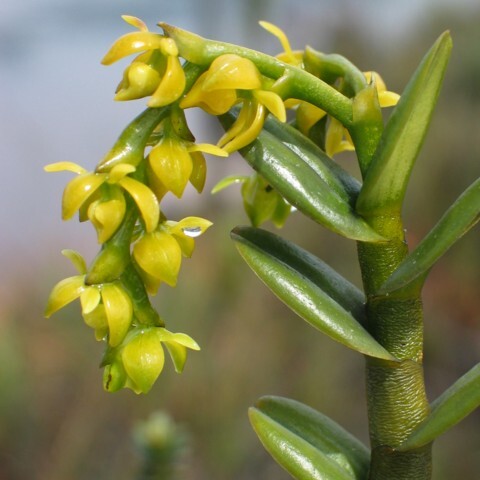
56, 98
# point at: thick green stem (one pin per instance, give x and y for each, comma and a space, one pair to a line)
396, 396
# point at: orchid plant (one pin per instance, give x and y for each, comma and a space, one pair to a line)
287, 116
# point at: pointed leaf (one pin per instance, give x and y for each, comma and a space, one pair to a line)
458, 401
309, 266
304, 454
458, 219
303, 188
388, 174
318, 430
286, 278
338, 179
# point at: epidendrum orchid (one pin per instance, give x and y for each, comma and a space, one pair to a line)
287, 116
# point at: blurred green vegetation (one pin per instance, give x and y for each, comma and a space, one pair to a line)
57, 423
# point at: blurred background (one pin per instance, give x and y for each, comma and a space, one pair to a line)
56, 423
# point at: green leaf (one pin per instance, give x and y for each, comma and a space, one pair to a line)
301, 186
306, 289
340, 181
387, 177
308, 444
456, 221
347, 295
458, 401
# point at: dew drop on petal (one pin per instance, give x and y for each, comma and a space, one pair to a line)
192, 232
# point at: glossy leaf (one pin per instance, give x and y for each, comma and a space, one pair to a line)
338, 179
347, 295
458, 219
306, 443
301, 186
285, 276
387, 177
458, 401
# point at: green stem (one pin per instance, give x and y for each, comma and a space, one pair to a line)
396, 395
130, 146
299, 83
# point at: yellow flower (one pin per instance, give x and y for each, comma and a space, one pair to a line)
337, 138
156, 72
107, 308
231, 79
159, 254
385, 98
138, 362
173, 162
288, 55
106, 209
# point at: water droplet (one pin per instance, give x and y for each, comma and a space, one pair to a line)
192, 231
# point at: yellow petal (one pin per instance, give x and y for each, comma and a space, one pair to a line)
335, 141
231, 71
64, 166
145, 199
172, 164
157, 187
307, 116
159, 255
119, 171
181, 338
273, 102
107, 216
118, 310
388, 99
178, 354
288, 56
171, 85
250, 133
152, 284
199, 171
140, 80
214, 103
239, 124
143, 359
135, 22
207, 148
77, 260
64, 292
187, 244
78, 190
132, 42
89, 299
190, 226
97, 319
169, 47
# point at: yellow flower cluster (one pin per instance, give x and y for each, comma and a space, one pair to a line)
140, 247
156, 72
